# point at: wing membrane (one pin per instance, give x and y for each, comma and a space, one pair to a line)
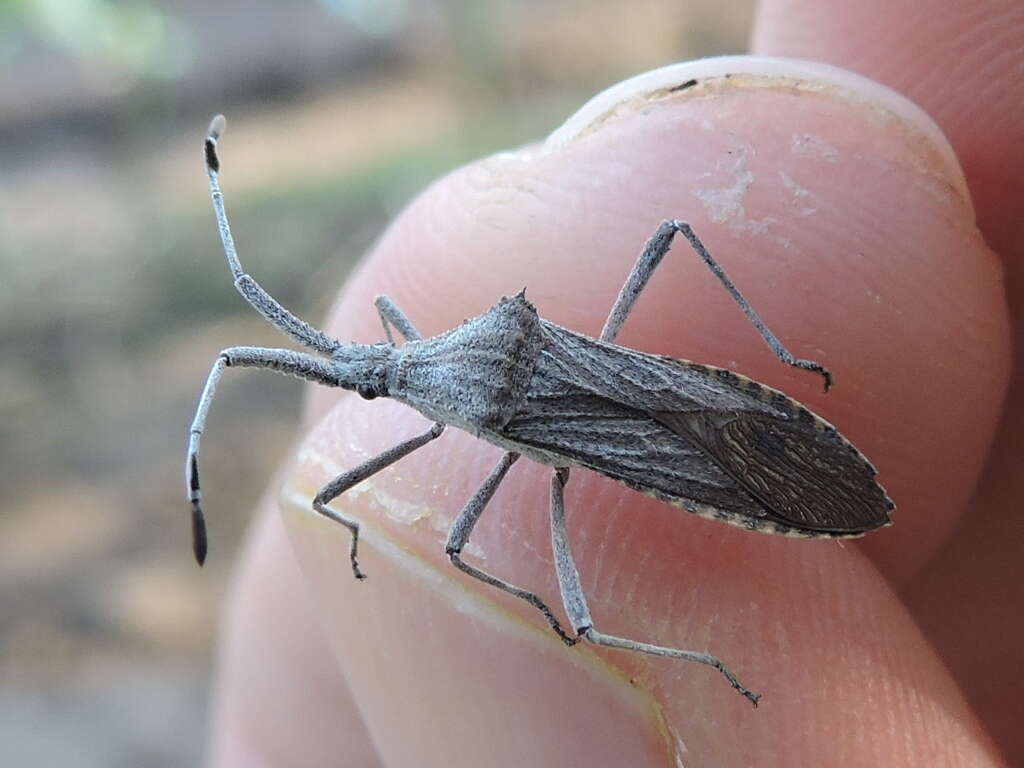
807, 476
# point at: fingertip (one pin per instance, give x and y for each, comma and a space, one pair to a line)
905, 46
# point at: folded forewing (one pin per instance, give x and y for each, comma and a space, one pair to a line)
698, 436
627, 445
653, 382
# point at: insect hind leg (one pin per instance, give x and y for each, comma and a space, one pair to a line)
576, 603
459, 534
621, 643
654, 251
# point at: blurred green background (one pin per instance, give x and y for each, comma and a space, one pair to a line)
115, 298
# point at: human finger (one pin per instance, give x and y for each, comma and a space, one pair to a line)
959, 60
771, 170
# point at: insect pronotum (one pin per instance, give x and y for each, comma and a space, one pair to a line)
701, 438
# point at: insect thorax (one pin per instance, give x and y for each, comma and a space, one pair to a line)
475, 376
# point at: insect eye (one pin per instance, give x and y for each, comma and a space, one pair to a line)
366, 392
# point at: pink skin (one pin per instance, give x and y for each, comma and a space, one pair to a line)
961, 62
887, 282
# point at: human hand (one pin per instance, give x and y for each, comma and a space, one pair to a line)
849, 231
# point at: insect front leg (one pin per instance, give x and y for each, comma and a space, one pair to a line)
576, 603
283, 360
461, 529
654, 251
391, 315
368, 468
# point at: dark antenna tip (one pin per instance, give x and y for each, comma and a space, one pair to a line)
217, 127
198, 534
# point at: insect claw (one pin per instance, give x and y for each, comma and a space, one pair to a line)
360, 576
828, 378
353, 549
752, 697
810, 365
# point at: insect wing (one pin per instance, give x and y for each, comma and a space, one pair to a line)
804, 473
561, 424
704, 438
648, 382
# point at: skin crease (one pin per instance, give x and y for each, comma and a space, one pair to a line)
841, 646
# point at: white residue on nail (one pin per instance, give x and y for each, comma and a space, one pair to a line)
789, 183
814, 146
405, 512
725, 204
679, 751
801, 195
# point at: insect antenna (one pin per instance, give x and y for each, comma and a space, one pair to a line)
251, 291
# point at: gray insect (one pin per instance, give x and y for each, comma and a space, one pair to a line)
701, 438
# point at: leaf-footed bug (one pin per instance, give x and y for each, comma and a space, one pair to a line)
701, 438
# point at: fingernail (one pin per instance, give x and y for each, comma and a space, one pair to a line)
436, 664
704, 78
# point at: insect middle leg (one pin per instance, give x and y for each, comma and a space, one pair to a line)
459, 534
654, 251
356, 475
576, 603
391, 315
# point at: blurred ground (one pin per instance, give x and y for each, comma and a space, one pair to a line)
114, 296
